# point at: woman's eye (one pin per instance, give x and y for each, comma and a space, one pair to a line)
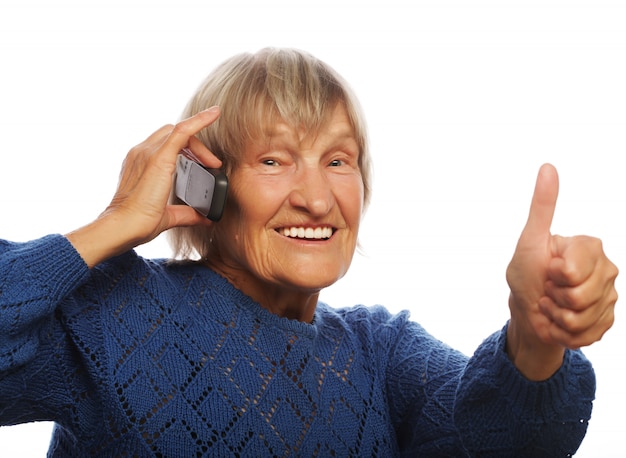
270, 162
336, 163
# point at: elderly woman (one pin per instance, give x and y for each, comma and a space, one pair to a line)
227, 351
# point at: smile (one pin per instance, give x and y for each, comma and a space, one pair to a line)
318, 233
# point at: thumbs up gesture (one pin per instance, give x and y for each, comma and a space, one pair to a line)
562, 288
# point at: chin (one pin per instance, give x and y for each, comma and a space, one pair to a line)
313, 282
312, 273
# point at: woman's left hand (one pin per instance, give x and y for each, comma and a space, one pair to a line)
562, 288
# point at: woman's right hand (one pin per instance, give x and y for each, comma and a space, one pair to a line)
139, 211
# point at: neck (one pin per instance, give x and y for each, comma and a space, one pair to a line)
284, 301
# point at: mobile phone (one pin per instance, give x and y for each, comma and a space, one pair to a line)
201, 188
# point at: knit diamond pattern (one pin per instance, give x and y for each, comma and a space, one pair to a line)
150, 358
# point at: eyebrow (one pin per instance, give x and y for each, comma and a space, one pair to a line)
281, 129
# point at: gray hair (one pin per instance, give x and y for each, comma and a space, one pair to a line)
255, 90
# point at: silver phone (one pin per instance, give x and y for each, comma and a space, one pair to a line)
201, 188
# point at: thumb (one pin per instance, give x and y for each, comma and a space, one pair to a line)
543, 203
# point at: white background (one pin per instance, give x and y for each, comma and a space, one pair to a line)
465, 100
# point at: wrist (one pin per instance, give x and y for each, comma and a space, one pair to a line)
533, 358
102, 239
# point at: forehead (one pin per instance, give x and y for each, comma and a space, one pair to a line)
336, 125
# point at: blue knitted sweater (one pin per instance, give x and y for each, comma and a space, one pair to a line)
152, 358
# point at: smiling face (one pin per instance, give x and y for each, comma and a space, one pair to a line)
294, 209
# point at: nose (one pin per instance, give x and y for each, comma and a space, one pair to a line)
312, 192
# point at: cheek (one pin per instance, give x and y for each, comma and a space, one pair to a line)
256, 200
245, 218
350, 196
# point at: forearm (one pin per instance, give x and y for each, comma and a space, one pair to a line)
499, 409
34, 277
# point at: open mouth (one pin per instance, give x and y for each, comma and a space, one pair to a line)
307, 233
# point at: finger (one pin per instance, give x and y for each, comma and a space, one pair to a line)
207, 158
572, 321
183, 215
584, 338
574, 259
599, 288
182, 132
543, 203
579, 297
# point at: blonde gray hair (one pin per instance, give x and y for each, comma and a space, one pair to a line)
254, 90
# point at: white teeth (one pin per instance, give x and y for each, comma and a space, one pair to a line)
308, 233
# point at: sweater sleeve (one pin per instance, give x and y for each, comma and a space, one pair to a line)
500, 413
445, 404
34, 278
